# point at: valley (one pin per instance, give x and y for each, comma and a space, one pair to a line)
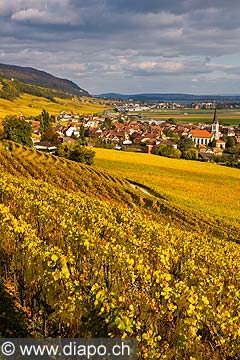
121, 243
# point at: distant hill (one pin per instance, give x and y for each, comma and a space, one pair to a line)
171, 97
17, 98
13, 89
33, 76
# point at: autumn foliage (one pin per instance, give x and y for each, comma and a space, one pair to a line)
97, 263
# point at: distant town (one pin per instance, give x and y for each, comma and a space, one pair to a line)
133, 106
128, 129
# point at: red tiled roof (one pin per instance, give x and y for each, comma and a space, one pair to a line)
36, 124
201, 134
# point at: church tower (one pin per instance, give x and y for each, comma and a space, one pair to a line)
215, 126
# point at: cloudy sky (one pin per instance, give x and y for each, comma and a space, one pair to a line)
127, 46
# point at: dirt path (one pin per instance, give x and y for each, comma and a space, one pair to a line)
137, 187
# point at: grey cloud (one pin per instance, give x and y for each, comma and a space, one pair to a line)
102, 42
36, 16
148, 5
173, 6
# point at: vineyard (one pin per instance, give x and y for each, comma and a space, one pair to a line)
206, 188
85, 254
30, 105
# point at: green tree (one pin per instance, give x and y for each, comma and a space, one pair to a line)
230, 141
172, 121
190, 154
168, 132
168, 151
185, 143
51, 135
81, 139
120, 120
107, 123
224, 158
212, 143
175, 137
17, 130
45, 123
76, 152
9, 89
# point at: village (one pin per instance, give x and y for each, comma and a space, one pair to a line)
129, 132
129, 105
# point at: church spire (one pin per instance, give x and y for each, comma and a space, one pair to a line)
215, 116
215, 125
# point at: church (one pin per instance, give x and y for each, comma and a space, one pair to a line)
204, 137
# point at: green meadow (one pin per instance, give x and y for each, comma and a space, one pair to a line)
225, 116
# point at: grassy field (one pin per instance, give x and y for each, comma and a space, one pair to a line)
209, 188
225, 116
29, 105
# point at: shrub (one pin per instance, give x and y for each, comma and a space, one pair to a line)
190, 154
17, 130
76, 152
168, 151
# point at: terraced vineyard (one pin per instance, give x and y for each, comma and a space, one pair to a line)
62, 173
29, 105
84, 254
103, 185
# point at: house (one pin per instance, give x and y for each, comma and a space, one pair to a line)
231, 132
148, 138
60, 130
201, 137
68, 140
220, 144
206, 155
167, 142
135, 135
127, 142
72, 131
65, 116
35, 124
91, 123
218, 151
45, 146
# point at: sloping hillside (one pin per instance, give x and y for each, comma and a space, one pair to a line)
12, 89
82, 258
33, 76
31, 105
64, 174
18, 98
208, 188
97, 183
